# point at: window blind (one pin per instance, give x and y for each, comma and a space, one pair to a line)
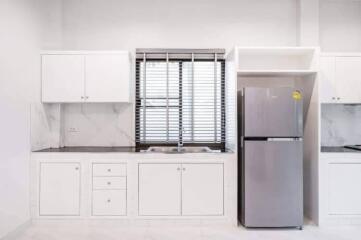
180, 97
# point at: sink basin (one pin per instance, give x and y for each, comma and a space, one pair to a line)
179, 150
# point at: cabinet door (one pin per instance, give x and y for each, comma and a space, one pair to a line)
107, 78
348, 79
159, 189
59, 189
344, 195
62, 78
202, 189
327, 81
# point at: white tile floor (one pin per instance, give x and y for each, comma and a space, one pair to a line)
73, 230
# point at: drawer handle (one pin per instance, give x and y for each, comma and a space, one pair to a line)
109, 169
109, 183
109, 200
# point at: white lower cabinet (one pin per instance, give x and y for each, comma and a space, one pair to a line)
339, 191
202, 189
344, 197
59, 189
109, 195
159, 189
181, 189
109, 202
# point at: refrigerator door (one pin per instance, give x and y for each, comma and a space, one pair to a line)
272, 112
273, 184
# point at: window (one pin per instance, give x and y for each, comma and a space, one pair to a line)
180, 97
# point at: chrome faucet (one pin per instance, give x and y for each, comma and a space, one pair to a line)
180, 146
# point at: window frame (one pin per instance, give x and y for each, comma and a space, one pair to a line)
213, 145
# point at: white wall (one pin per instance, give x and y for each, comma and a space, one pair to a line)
127, 24
19, 75
340, 25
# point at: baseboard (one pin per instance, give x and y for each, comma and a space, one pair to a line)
18, 231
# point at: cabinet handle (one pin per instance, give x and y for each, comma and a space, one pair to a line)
109, 200
333, 98
76, 168
184, 169
338, 98
109, 170
178, 169
109, 183
82, 97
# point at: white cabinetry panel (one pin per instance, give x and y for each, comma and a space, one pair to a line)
109, 169
343, 192
159, 189
328, 80
107, 78
348, 79
202, 189
62, 78
109, 202
109, 183
86, 76
59, 189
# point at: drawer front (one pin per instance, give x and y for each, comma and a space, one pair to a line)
109, 202
109, 169
108, 183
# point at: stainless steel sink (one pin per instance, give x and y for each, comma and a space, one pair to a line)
179, 149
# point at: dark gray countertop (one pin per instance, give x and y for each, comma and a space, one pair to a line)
91, 149
338, 150
98, 150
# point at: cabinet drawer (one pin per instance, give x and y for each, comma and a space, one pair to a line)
109, 202
109, 169
109, 183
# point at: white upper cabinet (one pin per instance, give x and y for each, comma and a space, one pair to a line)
107, 78
327, 80
86, 77
340, 79
62, 78
348, 79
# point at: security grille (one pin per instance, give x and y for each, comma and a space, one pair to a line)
180, 97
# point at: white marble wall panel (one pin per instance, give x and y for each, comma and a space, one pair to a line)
340, 124
45, 126
98, 124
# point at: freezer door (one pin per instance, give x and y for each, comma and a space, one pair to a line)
272, 112
273, 184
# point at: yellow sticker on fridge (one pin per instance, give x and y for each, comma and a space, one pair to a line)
297, 95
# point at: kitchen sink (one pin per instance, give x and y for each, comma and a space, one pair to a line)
179, 149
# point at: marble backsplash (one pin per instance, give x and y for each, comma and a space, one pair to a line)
340, 124
58, 125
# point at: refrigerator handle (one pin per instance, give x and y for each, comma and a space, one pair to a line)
241, 139
284, 139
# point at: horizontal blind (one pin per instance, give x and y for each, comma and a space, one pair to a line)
180, 97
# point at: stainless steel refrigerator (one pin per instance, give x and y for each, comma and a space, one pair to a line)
270, 131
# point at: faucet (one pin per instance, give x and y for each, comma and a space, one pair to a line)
180, 145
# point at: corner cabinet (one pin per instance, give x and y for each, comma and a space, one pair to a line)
340, 196
340, 78
86, 77
187, 189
